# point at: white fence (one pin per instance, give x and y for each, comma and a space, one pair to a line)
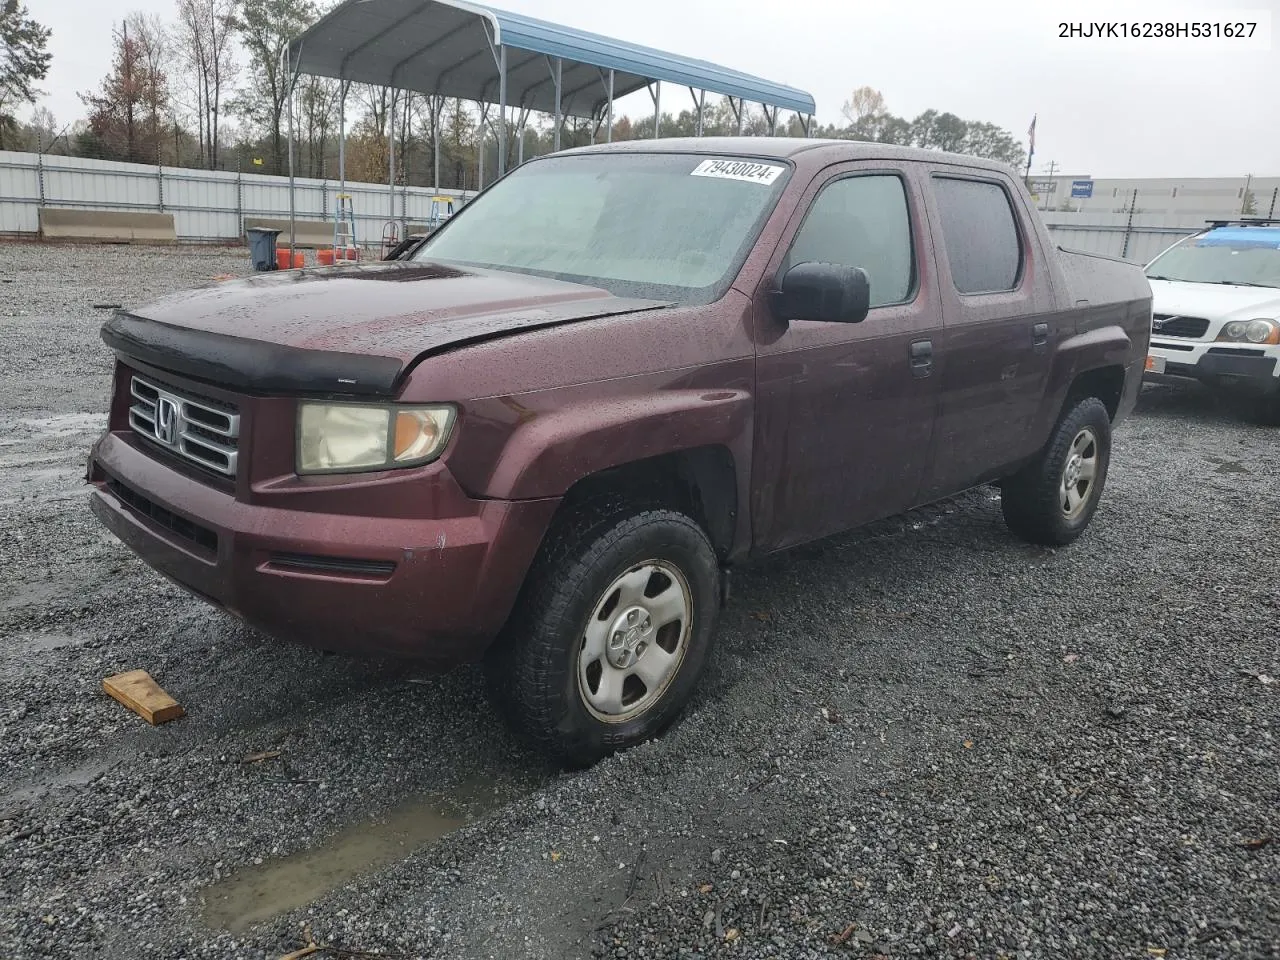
1138, 238
212, 205
207, 205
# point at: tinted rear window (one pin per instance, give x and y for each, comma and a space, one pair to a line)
980, 235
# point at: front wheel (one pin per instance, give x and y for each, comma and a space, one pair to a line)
1051, 500
611, 633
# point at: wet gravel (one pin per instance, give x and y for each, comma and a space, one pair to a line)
924, 739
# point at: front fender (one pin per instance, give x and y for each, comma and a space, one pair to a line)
548, 453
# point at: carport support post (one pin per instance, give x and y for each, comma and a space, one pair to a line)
502, 109
293, 213
657, 107
608, 137
558, 78
391, 150
438, 107
342, 145
699, 100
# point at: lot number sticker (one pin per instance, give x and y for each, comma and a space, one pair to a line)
763, 173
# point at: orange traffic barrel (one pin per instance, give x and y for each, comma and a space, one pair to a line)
324, 256
282, 258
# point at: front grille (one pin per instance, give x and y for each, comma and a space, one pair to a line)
200, 429
1172, 325
184, 528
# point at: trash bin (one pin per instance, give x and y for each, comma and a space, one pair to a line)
262, 247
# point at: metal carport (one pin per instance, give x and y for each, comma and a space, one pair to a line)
457, 49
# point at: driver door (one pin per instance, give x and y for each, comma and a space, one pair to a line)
845, 411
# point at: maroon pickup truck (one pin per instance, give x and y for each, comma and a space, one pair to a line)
544, 439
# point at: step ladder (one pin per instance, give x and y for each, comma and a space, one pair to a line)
344, 231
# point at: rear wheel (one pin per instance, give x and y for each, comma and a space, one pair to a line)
1052, 499
611, 633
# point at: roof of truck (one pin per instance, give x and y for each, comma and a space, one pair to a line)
787, 147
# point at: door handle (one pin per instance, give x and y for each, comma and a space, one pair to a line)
921, 357
1040, 337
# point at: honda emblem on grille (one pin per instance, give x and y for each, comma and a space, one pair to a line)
167, 421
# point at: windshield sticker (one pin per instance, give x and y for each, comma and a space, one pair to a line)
763, 173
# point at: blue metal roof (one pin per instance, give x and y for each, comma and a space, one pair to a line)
527, 33
443, 47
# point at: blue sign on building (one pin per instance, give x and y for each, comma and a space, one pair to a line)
1082, 189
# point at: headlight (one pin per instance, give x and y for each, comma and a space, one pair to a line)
1251, 331
349, 438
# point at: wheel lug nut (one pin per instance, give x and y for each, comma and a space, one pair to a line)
631, 617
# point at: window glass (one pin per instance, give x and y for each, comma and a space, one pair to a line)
980, 235
861, 222
667, 226
1246, 256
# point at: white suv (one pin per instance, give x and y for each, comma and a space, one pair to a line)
1216, 310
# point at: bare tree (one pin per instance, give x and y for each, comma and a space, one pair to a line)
319, 101
865, 102
151, 36
204, 38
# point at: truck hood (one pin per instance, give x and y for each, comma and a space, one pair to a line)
1216, 302
347, 330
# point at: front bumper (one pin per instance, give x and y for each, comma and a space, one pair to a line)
1254, 369
433, 589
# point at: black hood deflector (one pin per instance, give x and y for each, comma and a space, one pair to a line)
259, 366
238, 363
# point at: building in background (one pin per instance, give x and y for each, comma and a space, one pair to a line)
1137, 218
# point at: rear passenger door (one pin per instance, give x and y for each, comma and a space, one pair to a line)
997, 337
844, 411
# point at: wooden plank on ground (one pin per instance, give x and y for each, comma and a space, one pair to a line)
137, 691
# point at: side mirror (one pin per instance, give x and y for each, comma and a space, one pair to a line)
829, 292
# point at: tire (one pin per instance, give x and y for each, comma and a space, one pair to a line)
1041, 504
611, 632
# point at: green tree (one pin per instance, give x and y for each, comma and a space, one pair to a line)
265, 28
24, 61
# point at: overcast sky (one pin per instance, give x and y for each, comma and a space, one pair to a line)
1111, 109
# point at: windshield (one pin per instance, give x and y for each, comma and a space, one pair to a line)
662, 226
1249, 256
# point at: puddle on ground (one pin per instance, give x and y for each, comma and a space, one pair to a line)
22, 644
259, 893
65, 424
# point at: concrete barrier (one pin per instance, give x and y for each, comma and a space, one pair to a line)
112, 226
309, 234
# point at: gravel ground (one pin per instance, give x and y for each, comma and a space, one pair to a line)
925, 739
